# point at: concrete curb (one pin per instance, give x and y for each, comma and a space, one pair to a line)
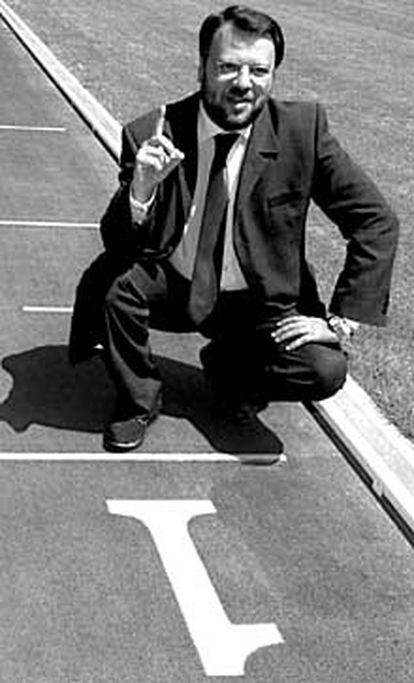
372, 444
350, 418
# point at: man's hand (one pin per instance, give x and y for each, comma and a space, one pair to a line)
155, 159
297, 330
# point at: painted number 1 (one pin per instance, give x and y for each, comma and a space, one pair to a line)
223, 647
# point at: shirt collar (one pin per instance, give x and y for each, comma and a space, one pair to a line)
207, 129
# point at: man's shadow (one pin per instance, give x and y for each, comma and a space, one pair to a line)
48, 391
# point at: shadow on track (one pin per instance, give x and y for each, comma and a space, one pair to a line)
48, 391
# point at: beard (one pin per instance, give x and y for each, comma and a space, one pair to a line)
234, 109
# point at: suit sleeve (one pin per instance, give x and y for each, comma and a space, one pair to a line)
353, 202
118, 231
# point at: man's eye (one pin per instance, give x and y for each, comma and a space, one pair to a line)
232, 69
226, 68
259, 71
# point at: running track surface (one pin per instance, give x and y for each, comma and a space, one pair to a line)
90, 594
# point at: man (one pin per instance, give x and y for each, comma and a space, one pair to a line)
207, 229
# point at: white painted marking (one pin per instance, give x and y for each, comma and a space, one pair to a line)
46, 224
36, 129
223, 647
47, 309
121, 457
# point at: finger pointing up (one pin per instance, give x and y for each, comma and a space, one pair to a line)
159, 121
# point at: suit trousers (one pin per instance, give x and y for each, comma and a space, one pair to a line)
241, 356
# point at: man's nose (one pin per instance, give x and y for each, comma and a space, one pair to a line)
243, 79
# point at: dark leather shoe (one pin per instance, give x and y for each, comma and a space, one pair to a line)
246, 436
127, 431
238, 411
228, 400
251, 440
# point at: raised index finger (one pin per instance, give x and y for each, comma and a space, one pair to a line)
159, 121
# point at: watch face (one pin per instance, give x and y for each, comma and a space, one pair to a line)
340, 326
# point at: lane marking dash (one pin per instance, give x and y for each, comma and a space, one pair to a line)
47, 309
120, 457
34, 129
47, 224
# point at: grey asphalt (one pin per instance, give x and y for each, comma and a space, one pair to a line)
84, 595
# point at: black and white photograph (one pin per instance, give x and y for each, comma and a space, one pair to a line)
207, 365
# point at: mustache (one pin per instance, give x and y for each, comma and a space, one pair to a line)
234, 91
241, 93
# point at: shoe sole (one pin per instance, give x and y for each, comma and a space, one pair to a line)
264, 459
116, 447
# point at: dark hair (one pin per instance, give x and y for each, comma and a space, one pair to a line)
244, 19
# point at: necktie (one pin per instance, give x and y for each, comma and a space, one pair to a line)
207, 266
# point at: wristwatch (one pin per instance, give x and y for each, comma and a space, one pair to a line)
343, 328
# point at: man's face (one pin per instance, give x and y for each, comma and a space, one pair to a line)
237, 77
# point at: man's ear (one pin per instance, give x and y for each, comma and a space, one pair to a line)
200, 72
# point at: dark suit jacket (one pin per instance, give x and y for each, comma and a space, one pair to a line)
291, 158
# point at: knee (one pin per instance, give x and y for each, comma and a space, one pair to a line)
113, 293
121, 294
329, 369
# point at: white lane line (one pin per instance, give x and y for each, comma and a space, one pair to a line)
47, 224
223, 647
47, 309
34, 129
121, 457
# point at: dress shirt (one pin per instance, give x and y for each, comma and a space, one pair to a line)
183, 257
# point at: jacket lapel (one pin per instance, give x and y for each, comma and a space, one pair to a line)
263, 148
262, 151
